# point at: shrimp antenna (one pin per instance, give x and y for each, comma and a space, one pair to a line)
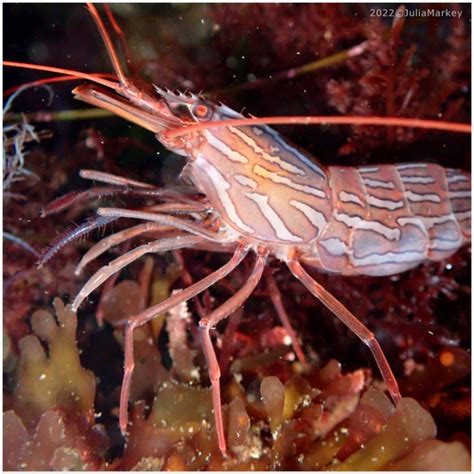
68, 72
108, 44
73, 74
325, 120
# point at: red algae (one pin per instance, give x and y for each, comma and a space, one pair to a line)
238, 425
321, 419
408, 426
62, 384
58, 443
434, 455
273, 397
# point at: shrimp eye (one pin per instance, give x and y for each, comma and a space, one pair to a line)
201, 111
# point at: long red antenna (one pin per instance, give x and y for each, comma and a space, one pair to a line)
322, 120
119, 32
68, 72
108, 44
51, 80
78, 74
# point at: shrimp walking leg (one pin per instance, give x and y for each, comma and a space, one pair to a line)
150, 313
115, 239
209, 322
104, 273
366, 336
275, 296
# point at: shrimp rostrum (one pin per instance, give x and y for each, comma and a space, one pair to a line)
266, 199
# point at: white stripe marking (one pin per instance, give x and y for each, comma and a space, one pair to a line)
437, 244
245, 181
461, 216
431, 221
456, 178
384, 203
272, 217
415, 197
417, 179
368, 169
221, 186
395, 258
224, 149
334, 246
376, 183
266, 156
416, 221
350, 197
350, 221
410, 166
459, 194
315, 217
388, 232
357, 223
276, 178
304, 159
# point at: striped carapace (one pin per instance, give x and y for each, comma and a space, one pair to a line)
263, 194
373, 220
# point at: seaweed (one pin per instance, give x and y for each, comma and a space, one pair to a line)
51, 420
279, 415
322, 419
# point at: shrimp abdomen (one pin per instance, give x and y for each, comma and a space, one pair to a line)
389, 218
